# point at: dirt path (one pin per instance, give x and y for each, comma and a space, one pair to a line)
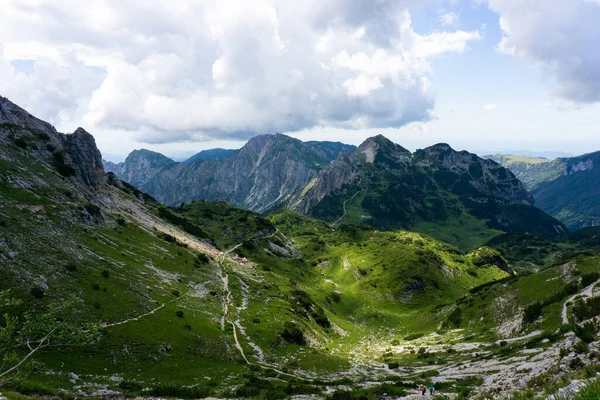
144, 315
585, 293
346, 201
234, 324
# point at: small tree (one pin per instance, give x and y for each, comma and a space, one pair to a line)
24, 334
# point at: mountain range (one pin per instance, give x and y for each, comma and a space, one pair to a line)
566, 188
259, 176
437, 191
106, 292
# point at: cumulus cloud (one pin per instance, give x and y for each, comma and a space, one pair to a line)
489, 107
560, 37
448, 18
54, 90
222, 68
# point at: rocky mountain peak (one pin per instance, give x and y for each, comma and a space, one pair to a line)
378, 147
13, 114
149, 156
86, 157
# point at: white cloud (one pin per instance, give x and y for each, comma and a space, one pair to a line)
489, 107
449, 18
560, 37
225, 69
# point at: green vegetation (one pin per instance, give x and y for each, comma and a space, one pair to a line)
209, 300
590, 392
423, 194
564, 188
529, 253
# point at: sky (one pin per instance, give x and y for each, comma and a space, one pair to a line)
487, 76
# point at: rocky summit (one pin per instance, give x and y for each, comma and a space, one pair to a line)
386, 186
260, 176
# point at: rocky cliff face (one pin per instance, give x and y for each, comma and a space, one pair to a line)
75, 156
139, 167
385, 185
259, 176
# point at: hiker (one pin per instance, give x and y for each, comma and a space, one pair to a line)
423, 390
431, 390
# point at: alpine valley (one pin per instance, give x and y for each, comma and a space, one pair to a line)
289, 269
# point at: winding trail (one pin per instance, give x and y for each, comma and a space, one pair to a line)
585, 293
227, 319
346, 201
146, 314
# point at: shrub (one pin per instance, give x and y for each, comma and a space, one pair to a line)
588, 279
183, 392
71, 267
175, 293
37, 292
105, 273
203, 258
587, 309
60, 165
20, 143
394, 365
121, 221
590, 392
581, 347
293, 334
586, 332
93, 210
533, 311
130, 386
167, 238
179, 313
414, 336
563, 352
455, 317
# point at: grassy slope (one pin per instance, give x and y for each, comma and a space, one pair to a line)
528, 253
383, 279
509, 159
376, 289
102, 246
486, 309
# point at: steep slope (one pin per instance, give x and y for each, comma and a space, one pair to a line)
566, 188
530, 170
528, 253
331, 150
139, 167
212, 154
455, 196
259, 176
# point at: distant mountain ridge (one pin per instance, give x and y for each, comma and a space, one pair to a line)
259, 176
386, 186
139, 167
566, 188
212, 154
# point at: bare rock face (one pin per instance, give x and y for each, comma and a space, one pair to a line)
75, 156
259, 176
141, 166
86, 157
